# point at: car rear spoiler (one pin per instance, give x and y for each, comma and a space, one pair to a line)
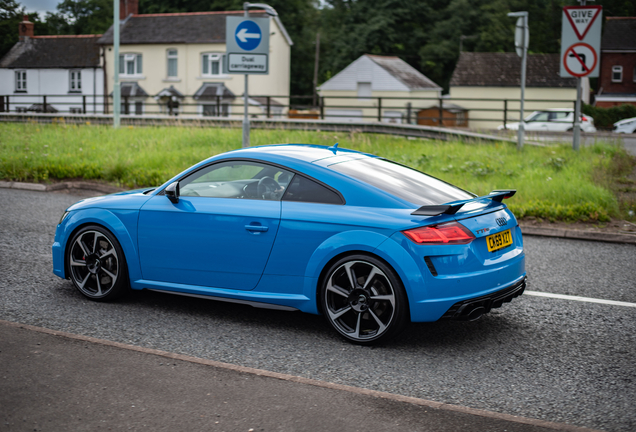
452, 208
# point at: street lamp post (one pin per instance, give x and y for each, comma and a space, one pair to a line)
246, 118
521, 44
116, 86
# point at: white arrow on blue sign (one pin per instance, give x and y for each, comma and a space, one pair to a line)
248, 35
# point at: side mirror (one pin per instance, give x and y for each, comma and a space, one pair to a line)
172, 192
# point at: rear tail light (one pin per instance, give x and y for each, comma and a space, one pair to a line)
449, 233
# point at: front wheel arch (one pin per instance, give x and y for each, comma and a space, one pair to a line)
121, 284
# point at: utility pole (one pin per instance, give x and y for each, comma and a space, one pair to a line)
313, 101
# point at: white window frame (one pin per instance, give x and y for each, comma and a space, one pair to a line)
172, 54
619, 70
21, 81
634, 73
136, 59
207, 58
75, 81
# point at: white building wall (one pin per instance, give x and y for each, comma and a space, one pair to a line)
55, 85
189, 73
364, 70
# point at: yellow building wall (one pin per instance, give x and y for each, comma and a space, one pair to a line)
189, 73
480, 116
349, 100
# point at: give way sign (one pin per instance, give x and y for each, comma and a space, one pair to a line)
581, 41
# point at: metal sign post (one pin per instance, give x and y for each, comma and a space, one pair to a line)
116, 86
522, 39
580, 48
247, 48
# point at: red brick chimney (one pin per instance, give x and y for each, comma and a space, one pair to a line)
25, 28
127, 7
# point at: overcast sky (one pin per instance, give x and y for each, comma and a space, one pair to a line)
40, 6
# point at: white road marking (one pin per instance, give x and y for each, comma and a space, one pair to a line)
577, 298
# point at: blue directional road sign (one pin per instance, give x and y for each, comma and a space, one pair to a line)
248, 35
247, 45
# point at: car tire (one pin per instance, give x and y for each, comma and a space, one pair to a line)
363, 299
96, 264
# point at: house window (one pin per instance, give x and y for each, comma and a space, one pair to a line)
126, 108
617, 73
130, 64
172, 62
75, 82
210, 110
364, 90
634, 73
211, 64
20, 81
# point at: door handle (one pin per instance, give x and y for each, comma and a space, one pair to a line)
258, 228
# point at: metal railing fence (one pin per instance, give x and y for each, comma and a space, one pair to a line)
441, 111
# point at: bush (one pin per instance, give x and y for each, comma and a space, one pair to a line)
604, 118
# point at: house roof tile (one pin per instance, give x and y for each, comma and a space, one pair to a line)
40, 52
619, 34
404, 72
191, 27
504, 70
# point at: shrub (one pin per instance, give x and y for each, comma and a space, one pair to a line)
604, 118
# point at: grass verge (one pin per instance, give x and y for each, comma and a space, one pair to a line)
553, 183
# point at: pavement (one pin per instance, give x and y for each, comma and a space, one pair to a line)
57, 381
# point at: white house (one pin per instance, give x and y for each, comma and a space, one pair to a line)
374, 88
52, 73
173, 63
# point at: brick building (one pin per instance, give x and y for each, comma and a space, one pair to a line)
617, 80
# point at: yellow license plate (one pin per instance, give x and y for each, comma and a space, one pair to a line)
499, 240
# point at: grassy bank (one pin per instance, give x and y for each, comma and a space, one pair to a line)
552, 182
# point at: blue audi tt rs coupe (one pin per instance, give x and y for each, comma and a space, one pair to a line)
366, 242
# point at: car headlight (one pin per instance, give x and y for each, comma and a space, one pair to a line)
66, 213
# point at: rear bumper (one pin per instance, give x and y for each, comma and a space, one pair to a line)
467, 310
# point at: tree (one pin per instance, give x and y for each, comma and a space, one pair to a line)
81, 17
10, 16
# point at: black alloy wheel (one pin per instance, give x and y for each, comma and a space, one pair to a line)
364, 300
96, 264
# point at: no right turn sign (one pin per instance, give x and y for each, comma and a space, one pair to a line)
581, 41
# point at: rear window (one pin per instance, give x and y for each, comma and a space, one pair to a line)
403, 182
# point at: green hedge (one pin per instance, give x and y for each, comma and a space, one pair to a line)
604, 118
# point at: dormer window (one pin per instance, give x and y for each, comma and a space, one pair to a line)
130, 64
211, 64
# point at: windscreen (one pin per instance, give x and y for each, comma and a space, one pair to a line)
401, 181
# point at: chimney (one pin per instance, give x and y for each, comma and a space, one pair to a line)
25, 28
127, 7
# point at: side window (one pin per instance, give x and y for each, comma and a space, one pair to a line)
617, 73
302, 189
237, 179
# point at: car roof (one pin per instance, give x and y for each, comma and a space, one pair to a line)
311, 153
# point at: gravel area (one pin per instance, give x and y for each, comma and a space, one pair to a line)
557, 360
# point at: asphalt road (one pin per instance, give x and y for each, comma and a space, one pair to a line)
544, 358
